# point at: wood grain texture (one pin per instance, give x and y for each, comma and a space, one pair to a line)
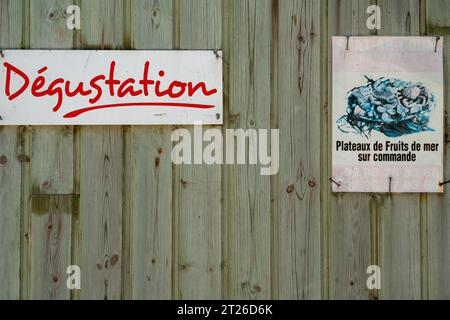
10, 168
399, 215
52, 147
101, 212
247, 194
349, 219
101, 171
151, 178
51, 171
145, 229
50, 246
438, 219
10, 205
198, 188
297, 200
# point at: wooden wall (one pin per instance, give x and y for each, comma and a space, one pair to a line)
109, 199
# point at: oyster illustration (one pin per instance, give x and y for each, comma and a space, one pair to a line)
393, 107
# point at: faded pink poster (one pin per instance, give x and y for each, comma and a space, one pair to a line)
387, 114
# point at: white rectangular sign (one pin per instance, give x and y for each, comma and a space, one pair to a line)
388, 114
81, 87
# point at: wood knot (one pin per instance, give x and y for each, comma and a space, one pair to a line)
183, 183
3, 159
257, 288
99, 266
114, 259
183, 267
53, 15
300, 38
155, 13
157, 161
153, 260
160, 150
23, 158
352, 283
312, 183
290, 188
46, 184
55, 278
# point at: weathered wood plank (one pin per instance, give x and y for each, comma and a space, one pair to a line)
101, 212
349, 234
100, 232
399, 215
198, 188
151, 214
438, 14
438, 218
10, 168
51, 169
297, 200
247, 193
10, 199
52, 147
151, 177
50, 246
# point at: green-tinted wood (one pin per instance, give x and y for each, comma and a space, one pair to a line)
51, 169
399, 215
297, 200
151, 177
438, 218
50, 246
438, 14
102, 24
101, 212
247, 193
349, 234
52, 147
198, 188
10, 182
10, 168
101, 170
151, 214
52, 160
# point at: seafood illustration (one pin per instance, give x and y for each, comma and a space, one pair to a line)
393, 107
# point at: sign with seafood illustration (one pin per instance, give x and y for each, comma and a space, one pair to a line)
388, 107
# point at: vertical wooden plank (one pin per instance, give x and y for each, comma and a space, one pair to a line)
247, 193
10, 168
438, 218
51, 167
50, 238
10, 187
100, 232
349, 234
52, 147
151, 204
297, 200
100, 212
198, 188
399, 215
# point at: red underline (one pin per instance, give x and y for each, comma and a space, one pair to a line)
76, 113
